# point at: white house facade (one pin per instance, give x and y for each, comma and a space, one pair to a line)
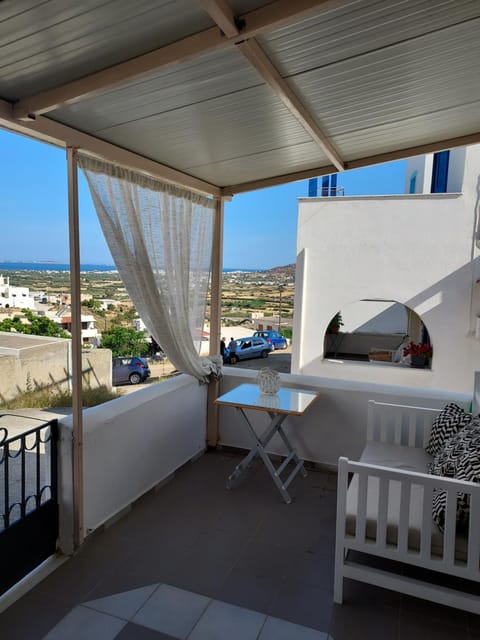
90, 335
417, 250
14, 297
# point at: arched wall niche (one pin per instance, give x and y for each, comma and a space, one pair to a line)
374, 330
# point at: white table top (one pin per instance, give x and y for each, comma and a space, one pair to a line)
286, 400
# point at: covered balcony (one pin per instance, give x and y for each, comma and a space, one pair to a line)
221, 98
169, 549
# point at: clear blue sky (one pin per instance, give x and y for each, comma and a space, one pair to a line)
260, 226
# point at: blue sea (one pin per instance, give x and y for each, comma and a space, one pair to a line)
52, 266
58, 266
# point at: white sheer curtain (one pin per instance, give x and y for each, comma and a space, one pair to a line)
160, 237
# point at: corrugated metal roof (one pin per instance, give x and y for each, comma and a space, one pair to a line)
44, 44
397, 85
207, 124
376, 76
355, 28
201, 80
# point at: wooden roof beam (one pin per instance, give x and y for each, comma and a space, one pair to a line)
220, 11
260, 20
61, 135
222, 14
258, 59
398, 154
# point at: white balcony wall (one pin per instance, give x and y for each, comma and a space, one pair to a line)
134, 443
418, 250
335, 424
130, 445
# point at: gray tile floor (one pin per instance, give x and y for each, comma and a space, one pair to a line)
216, 548
170, 612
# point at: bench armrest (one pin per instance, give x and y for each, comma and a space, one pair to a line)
379, 479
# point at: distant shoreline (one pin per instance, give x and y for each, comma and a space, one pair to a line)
88, 267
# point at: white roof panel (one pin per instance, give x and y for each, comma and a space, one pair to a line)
350, 80
207, 112
192, 83
221, 129
397, 85
44, 44
351, 29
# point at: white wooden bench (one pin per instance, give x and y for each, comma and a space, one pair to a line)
384, 510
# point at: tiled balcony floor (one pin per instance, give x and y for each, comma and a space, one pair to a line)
213, 548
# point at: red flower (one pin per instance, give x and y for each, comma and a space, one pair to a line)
418, 349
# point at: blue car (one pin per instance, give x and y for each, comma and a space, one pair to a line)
252, 347
129, 369
274, 338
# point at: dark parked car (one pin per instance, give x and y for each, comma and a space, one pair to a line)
129, 369
251, 347
274, 338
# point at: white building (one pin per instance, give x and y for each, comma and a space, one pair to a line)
107, 303
90, 335
139, 325
17, 297
418, 250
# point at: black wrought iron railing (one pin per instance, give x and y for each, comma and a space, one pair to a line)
28, 498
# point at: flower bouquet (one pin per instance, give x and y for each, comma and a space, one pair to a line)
419, 352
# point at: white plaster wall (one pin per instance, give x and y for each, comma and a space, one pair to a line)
416, 249
335, 425
375, 316
130, 445
422, 165
17, 297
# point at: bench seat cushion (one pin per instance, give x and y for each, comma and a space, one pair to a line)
402, 458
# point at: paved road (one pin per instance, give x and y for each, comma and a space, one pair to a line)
279, 360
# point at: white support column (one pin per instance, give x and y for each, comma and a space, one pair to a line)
77, 448
215, 320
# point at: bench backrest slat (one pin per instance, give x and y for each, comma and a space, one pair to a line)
427, 522
399, 424
383, 488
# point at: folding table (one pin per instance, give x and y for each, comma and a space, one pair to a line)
286, 402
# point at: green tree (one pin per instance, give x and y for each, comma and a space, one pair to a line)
125, 341
38, 325
130, 314
93, 304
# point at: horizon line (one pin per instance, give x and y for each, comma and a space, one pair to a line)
113, 267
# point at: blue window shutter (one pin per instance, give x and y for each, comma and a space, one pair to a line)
333, 184
325, 185
312, 187
413, 183
440, 172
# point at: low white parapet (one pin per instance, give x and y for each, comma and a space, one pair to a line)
130, 445
335, 424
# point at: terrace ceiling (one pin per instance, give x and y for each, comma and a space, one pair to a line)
225, 97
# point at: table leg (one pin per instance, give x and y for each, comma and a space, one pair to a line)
259, 442
258, 449
293, 453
